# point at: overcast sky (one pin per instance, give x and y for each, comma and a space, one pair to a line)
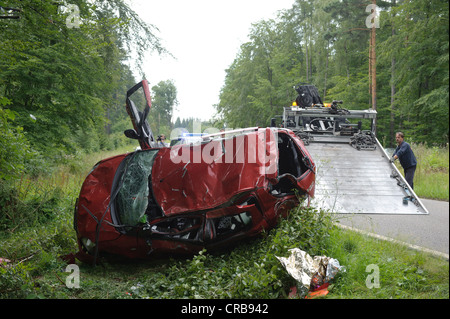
204, 36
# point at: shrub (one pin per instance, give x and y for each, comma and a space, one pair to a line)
250, 270
14, 149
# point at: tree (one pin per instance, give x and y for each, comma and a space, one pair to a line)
326, 43
423, 69
13, 144
73, 80
164, 99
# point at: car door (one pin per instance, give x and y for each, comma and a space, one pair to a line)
140, 95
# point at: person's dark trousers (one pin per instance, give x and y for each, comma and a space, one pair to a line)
409, 175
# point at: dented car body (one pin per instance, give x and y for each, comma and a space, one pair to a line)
184, 198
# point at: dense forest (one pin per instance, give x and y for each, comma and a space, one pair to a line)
64, 72
328, 43
65, 69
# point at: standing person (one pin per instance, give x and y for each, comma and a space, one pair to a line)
404, 153
161, 141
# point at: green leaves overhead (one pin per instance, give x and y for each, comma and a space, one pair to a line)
71, 76
327, 43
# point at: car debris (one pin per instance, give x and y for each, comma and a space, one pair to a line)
312, 274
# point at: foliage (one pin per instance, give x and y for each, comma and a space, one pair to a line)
194, 125
431, 179
16, 282
66, 85
61, 96
404, 273
250, 270
14, 147
43, 232
326, 43
247, 271
27, 206
164, 100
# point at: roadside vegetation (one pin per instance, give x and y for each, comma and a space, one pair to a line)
62, 93
36, 229
431, 179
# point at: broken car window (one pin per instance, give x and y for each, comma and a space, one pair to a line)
132, 198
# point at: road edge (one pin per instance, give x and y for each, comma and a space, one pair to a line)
415, 247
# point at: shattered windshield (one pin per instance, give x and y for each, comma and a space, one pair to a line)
133, 193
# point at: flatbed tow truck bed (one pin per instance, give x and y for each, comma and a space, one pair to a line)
354, 178
359, 181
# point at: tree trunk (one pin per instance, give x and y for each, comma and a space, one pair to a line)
392, 119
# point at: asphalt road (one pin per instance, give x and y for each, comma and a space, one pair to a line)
427, 232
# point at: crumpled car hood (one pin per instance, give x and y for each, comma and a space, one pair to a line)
208, 178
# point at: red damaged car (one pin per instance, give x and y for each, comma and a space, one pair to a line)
183, 198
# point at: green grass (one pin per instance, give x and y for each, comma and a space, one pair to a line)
404, 273
250, 270
432, 174
39, 230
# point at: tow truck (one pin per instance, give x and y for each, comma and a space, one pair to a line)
354, 174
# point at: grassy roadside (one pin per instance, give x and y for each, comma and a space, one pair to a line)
431, 180
251, 270
34, 238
